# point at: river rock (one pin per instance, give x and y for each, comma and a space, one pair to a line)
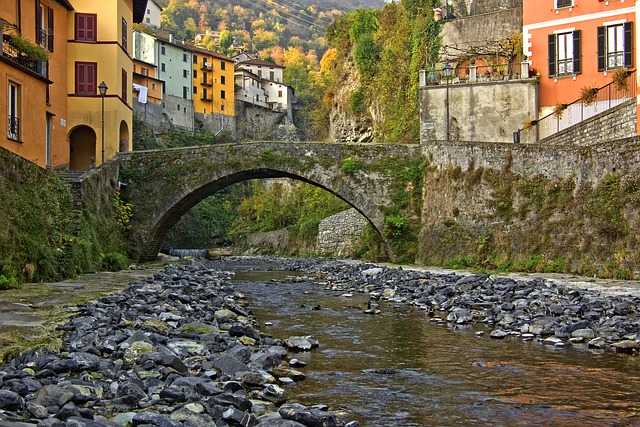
10, 401
308, 417
498, 334
303, 343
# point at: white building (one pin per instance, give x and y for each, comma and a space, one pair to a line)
263, 69
249, 88
152, 14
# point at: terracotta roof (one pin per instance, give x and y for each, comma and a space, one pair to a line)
261, 63
139, 9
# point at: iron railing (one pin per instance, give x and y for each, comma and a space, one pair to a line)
19, 58
14, 128
480, 74
608, 96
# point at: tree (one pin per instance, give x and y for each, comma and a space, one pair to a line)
226, 40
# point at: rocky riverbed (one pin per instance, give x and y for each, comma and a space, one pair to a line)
182, 349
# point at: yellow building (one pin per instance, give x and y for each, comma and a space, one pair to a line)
99, 51
212, 82
35, 107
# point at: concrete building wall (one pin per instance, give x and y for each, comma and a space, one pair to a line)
179, 112
489, 111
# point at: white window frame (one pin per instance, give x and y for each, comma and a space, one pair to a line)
13, 111
614, 46
555, 4
564, 53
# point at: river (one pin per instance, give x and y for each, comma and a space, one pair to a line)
401, 368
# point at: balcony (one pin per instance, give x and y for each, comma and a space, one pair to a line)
206, 81
13, 128
206, 66
206, 97
24, 55
478, 74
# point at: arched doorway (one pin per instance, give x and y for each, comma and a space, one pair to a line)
82, 142
124, 137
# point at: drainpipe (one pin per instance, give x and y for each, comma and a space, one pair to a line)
20, 16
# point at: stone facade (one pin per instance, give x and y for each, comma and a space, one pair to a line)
489, 111
339, 234
272, 241
463, 8
258, 123
215, 123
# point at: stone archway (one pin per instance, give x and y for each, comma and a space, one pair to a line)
82, 146
123, 146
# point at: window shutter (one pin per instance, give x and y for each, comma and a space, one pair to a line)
50, 31
602, 51
577, 52
125, 86
39, 23
86, 76
124, 34
80, 78
81, 32
90, 28
628, 44
552, 55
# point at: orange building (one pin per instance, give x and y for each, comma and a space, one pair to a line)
35, 107
577, 43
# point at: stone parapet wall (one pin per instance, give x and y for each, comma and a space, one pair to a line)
339, 234
616, 123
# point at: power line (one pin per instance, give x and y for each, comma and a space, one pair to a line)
296, 17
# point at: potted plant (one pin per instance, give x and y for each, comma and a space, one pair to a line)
27, 48
619, 79
558, 109
588, 95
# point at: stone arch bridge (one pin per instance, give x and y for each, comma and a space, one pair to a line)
162, 185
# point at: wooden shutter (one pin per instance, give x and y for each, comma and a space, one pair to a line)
50, 30
577, 52
552, 55
86, 76
125, 86
124, 34
628, 44
81, 32
39, 23
602, 49
90, 28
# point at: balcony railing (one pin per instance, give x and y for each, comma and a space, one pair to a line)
14, 128
608, 96
206, 65
19, 58
207, 97
478, 74
208, 81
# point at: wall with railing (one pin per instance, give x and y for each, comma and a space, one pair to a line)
566, 116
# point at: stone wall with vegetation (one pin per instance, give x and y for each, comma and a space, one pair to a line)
340, 235
533, 207
43, 235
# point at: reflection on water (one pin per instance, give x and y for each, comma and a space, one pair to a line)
399, 369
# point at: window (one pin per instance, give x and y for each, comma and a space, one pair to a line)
162, 67
223, 80
195, 90
563, 3
124, 35
279, 94
44, 33
148, 20
222, 107
125, 86
184, 57
615, 43
195, 74
272, 75
143, 71
223, 65
148, 12
162, 50
260, 73
195, 59
565, 57
185, 73
13, 129
153, 86
86, 27
185, 92
86, 76
223, 94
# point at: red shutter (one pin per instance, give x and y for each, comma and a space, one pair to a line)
124, 85
124, 34
90, 28
81, 32
86, 76
50, 30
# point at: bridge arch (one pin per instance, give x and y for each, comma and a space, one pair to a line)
162, 185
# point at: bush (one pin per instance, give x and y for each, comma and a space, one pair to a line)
115, 261
350, 165
8, 283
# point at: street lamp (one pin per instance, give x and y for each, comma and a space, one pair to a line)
450, 10
448, 70
102, 87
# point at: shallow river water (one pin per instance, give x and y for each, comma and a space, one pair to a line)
398, 368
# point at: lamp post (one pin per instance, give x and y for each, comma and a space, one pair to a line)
102, 87
449, 9
448, 69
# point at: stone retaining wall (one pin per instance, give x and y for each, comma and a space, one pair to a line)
339, 234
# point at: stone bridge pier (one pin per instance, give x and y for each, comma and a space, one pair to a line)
162, 185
